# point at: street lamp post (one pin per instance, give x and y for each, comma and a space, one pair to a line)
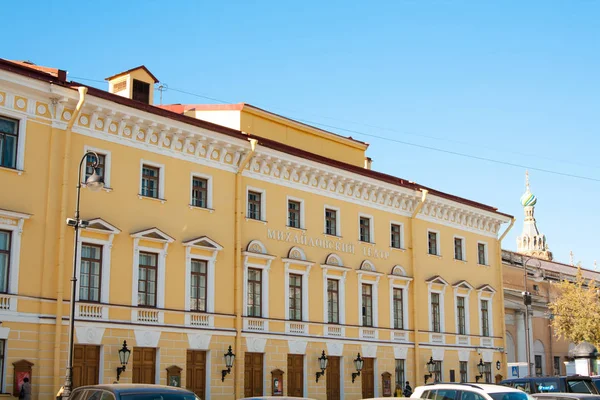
94, 182
537, 276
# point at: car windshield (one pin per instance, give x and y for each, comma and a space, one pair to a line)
159, 396
509, 396
581, 386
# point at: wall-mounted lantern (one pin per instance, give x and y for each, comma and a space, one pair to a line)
358, 364
481, 369
498, 365
229, 359
124, 354
430, 368
322, 364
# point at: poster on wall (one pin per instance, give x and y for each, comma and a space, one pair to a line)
277, 389
22, 375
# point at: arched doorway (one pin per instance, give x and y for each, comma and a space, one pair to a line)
539, 361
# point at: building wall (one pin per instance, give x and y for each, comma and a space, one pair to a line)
35, 312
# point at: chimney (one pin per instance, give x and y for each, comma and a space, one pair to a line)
136, 84
368, 162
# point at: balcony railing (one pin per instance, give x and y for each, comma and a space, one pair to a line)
368, 333
147, 316
399, 336
255, 325
200, 320
7, 302
298, 328
91, 311
334, 330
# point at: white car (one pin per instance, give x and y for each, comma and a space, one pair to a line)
468, 391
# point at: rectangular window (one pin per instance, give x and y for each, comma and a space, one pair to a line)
5, 242
435, 312
458, 249
487, 372
396, 236
294, 214
148, 263
9, 131
150, 181
200, 192
367, 304
198, 286
461, 315
254, 292
432, 243
538, 365
485, 327
254, 205
365, 229
100, 168
331, 222
398, 309
556, 365
333, 301
90, 272
400, 376
141, 91
481, 253
437, 371
295, 297
464, 372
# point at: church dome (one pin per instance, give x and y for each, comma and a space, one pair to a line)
528, 199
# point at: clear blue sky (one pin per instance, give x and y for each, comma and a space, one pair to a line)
510, 80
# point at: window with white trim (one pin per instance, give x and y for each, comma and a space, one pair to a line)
367, 304
5, 250
482, 258
199, 192
461, 315
459, 248
433, 243
11, 228
254, 300
295, 212
152, 180
9, 137
365, 226
485, 322
198, 285
256, 204
332, 221
147, 275
295, 297
396, 236
103, 168
333, 305
398, 302
435, 312
90, 272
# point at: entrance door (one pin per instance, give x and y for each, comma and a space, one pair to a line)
144, 365
332, 374
196, 372
367, 375
295, 375
253, 374
86, 365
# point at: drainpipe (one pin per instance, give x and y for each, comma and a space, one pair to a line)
61, 238
501, 279
550, 336
416, 281
239, 267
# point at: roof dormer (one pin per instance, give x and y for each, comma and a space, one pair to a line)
136, 84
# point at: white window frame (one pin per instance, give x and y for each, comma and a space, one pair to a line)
401, 235
464, 248
374, 296
264, 288
485, 247
405, 299
160, 267
371, 228
161, 179
263, 203
338, 220
15, 228
107, 166
209, 190
341, 294
210, 280
437, 243
467, 312
287, 204
305, 291
21, 135
105, 267
441, 292
490, 299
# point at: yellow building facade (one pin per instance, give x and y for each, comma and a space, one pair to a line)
228, 226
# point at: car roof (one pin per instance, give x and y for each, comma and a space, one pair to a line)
486, 387
134, 388
577, 395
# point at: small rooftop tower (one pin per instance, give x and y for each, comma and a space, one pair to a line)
136, 84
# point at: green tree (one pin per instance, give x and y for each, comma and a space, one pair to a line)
576, 310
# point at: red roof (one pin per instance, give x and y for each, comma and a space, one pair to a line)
131, 70
58, 73
26, 70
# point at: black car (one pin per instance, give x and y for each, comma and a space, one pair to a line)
131, 392
553, 384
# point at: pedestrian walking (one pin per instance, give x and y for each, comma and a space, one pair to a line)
407, 390
25, 393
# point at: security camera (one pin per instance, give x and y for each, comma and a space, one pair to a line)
84, 224
72, 222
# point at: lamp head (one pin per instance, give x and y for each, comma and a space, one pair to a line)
481, 367
430, 365
229, 358
124, 354
95, 182
323, 361
358, 363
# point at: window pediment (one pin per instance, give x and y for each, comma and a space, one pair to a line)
153, 235
204, 243
334, 260
486, 290
463, 285
101, 226
437, 280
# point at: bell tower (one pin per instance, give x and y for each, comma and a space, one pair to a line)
531, 242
